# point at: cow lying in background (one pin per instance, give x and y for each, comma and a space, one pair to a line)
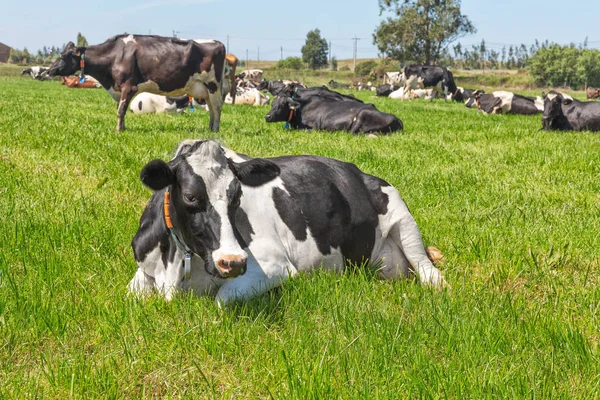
385, 90
276, 88
37, 73
501, 102
150, 103
252, 97
252, 75
74, 82
316, 112
592, 93
564, 113
300, 92
219, 223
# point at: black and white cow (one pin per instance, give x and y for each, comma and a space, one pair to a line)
129, 64
150, 103
564, 113
223, 224
439, 79
392, 78
328, 114
385, 90
37, 73
502, 102
300, 92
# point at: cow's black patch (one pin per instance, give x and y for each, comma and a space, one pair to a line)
334, 200
254, 172
290, 212
244, 229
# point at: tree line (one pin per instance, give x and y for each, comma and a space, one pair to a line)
44, 56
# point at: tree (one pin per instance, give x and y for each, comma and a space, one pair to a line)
334, 64
81, 40
421, 30
290, 63
314, 51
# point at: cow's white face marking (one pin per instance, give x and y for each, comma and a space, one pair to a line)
210, 163
129, 39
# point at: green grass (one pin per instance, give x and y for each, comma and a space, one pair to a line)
515, 210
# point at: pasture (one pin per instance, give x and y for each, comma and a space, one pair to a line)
515, 210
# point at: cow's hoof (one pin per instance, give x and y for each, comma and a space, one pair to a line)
434, 254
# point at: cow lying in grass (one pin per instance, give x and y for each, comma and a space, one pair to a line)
225, 224
150, 103
564, 113
318, 112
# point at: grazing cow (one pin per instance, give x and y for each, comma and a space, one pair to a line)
439, 79
564, 113
150, 103
128, 64
254, 75
333, 84
219, 223
37, 73
385, 90
74, 82
393, 78
592, 93
316, 112
501, 102
252, 97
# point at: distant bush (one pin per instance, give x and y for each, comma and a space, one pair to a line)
365, 68
290, 63
345, 68
566, 66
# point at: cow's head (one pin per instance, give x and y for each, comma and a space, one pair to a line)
281, 109
553, 102
205, 192
26, 71
68, 62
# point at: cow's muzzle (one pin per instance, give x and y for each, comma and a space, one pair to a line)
232, 266
268, 117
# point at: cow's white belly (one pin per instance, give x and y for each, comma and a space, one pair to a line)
273, 244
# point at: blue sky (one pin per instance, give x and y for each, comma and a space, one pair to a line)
265, 27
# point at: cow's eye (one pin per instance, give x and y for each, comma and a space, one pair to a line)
189, 198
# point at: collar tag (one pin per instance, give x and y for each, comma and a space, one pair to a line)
187, 265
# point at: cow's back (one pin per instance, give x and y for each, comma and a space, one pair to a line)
315, 203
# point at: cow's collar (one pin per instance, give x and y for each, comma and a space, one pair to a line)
187, 258
82, 66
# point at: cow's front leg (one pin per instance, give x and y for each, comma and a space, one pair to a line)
141, 284
127, 93
257, 280
170, 278
216, 106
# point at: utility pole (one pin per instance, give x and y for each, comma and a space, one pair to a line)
258, 54
175, 33
247, 59
227, 49
355, 49
330, 52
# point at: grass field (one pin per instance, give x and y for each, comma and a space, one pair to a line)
515, 210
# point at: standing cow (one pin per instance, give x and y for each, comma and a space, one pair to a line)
128, 64
220, 223
439, 79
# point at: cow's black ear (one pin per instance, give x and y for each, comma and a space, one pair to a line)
157, 175
255, 172
543, 95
